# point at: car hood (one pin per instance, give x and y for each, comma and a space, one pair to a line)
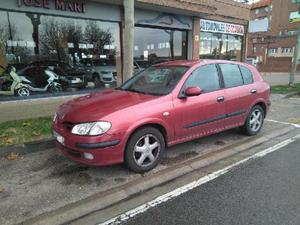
96, 106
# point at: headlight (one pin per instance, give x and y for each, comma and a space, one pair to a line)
91, 129
55, 117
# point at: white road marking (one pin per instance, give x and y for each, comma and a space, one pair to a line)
286, 123
179, 191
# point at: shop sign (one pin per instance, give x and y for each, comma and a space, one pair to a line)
221, 27
294, 17
63, 5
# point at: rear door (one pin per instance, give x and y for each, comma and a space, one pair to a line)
204, 114
237, 95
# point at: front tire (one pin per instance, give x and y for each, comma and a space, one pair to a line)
22, 92
254, 121
144, 150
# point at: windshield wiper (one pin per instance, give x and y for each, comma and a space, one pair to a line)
134, 90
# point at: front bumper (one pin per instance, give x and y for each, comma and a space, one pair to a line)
105, 149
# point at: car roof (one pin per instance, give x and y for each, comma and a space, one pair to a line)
191, 63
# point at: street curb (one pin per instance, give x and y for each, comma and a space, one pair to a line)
29, 147
113, 196
292, 94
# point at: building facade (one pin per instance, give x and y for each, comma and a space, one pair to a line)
83, 41
272, 47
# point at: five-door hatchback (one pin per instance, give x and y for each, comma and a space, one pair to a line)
164, 105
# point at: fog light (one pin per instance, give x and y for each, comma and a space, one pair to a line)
88, 156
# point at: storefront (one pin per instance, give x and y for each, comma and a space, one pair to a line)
79, 45
219, 40
76, 40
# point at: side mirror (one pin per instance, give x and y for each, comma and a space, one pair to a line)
192, 91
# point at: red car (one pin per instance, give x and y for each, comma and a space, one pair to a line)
164, 105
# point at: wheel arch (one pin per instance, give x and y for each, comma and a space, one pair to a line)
263, 105
157, 126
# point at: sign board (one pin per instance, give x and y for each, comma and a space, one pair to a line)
72, 6
221, 27
158, 19
93, 10
294, 17
259, 25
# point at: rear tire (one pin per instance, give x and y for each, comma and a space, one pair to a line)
254, 121
55, 89
144, 150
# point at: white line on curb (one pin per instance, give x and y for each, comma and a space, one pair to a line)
286, 123
179, 191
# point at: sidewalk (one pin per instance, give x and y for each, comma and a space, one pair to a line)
279, 78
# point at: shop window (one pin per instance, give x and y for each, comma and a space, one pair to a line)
232, 75
69, 47
156, 44
220, 46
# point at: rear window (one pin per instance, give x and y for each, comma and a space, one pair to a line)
232, 75
247, 75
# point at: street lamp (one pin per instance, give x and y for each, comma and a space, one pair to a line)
296, 54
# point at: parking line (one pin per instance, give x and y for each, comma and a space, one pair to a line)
181, 190
285, 123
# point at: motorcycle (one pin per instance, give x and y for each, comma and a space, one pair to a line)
50, 83
22, 86
11, 83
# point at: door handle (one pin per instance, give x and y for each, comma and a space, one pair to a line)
253, 91
220, 99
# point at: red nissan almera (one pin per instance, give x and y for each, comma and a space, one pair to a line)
164, 105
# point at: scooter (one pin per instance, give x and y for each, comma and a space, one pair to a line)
52, 83
22, 86
11, 83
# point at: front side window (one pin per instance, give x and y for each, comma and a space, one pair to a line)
156, 80
231, 75
205, 77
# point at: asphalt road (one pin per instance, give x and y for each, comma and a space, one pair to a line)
263, 191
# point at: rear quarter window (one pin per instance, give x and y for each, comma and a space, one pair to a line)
247, 75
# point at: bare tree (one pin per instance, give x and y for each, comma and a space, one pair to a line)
54, 38
98, 37
74, 36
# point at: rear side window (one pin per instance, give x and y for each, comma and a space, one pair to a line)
232, 75
205, 77
247, 75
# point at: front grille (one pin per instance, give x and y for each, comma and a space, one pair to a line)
106, 79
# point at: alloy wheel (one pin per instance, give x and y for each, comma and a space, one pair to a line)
256, 120
146, 150
23, 92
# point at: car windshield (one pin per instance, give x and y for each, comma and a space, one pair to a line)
156, 80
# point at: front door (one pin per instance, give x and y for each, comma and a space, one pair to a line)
204, 114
